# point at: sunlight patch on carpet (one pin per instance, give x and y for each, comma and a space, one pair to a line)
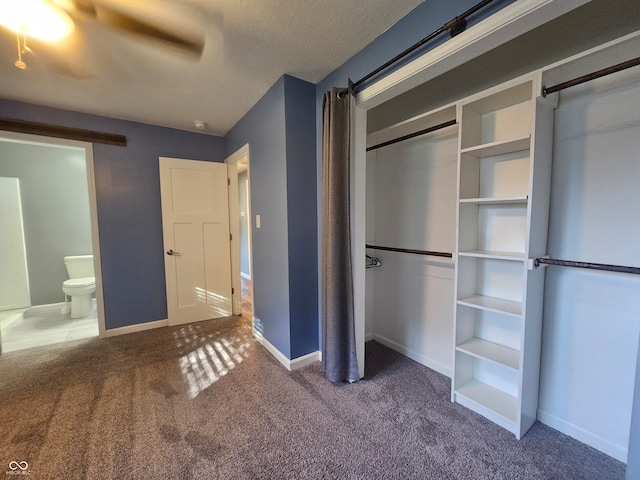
208, 360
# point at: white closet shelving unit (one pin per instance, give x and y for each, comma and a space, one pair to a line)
504, 174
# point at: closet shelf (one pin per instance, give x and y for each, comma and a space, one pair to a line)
495, 200
493, 352
498, 148
490, 398
510, 256
492, 304
503, 198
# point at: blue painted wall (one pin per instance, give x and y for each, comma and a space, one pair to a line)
128, 202
280, 130
263, 128
302, 220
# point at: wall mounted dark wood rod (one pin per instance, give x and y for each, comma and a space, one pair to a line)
591, 76
592, 266
408, 250
454, 26
56, 131
413, 135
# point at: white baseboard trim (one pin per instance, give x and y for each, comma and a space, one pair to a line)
427, 362
140, 327
305, 360
245, 275
272, 350
288, 364
584, 436
368, 337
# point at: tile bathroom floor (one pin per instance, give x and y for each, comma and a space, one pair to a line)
43, 325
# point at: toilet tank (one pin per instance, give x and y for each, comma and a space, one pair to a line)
79, 266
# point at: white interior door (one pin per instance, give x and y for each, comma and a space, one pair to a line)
195, 220
14, 278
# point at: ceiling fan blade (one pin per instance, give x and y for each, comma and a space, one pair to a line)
122, 21
84, 6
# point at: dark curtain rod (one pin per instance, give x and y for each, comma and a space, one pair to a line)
408, 250
456, 26
591, 76
56, 131
592, 266
413, 135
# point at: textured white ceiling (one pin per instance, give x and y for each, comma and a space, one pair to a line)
249, 44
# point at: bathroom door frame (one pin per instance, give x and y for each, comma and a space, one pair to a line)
93, 209
243, 154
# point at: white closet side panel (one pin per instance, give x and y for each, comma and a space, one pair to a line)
415, 208
592, 319
370, 233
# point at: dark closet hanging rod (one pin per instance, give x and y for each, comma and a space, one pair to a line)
592, 266
408, 250
591, 76
455, 26
413, 135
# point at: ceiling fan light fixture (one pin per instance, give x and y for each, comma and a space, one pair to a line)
36, 18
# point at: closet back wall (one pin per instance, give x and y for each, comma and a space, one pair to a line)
411, 203
592, 318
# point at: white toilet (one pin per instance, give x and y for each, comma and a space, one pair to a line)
81, 284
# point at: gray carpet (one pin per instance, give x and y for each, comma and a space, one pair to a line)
206, 401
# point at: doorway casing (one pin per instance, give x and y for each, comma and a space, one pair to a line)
93, 209
241, 156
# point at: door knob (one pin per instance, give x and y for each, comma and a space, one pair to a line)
171, 252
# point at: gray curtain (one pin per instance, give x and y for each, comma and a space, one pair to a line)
339, 359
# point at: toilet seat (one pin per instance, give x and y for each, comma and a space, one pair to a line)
79, 282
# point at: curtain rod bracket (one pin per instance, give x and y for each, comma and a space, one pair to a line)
345, 91
536, 263
456, 26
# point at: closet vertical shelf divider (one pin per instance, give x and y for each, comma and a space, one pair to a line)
504, 176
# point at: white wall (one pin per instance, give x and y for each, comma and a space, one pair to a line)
591, 318
411, 190
14, 278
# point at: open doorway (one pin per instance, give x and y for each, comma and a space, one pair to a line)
240, 218
53, 230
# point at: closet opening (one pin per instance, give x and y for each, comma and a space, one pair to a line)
398, 105
410, 230
463, 65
